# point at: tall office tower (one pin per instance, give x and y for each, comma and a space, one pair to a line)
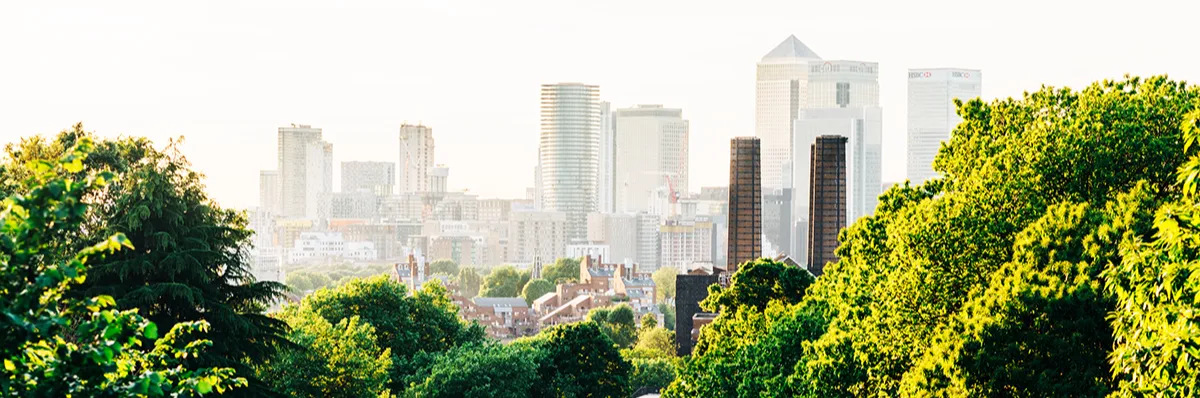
300, 168
842, 84
745, 202
439, 178
648, 251
318, 188
652, 155
416, 158
537, 183
777, 220
828, 200
605, 189
932, 114
268, 193
374, 177
780, 92
570, 153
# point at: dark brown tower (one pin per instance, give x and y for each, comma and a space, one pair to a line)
827, 200
745, 202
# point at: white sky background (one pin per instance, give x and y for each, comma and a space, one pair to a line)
226, 75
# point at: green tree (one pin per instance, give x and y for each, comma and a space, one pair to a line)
536, 288
758, 282
651, 375
668, 312
414, 328
488, 370
444, 266
562, 270
664, 283
306, 281
504, 281
54, 344
469, 282
657, 340
649, 321
577, 360
192, 261
616, 322
332, 360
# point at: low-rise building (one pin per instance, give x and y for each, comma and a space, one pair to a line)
503, 317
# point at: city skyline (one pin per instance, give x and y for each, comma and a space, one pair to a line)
114, 80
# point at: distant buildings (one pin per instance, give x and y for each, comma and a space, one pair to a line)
416, 158
305, 172
618, 231
537, 236
569, 153
745, 202
653, 154
323, 246
932, 113
827, 206
376, 178
269, 197
686, 241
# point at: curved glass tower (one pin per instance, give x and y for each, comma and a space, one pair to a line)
569, 153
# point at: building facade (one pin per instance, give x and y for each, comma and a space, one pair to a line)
301, 170
606, 180
781, 90
269, 197
648, 252
745, 202
618, 231
652, 156
416, 158
537, 236
932, 114
827, 204
684, 242
570, 153
373, 177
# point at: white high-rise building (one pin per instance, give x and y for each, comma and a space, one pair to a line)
570, 153
373, 177
302, 168
932, 114
685, 241
618, 231
843, 99
319, 180
268, 193
648, 251
781, 91
605, 191
416, 158
652, 154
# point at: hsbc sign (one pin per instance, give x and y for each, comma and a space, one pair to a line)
919, 75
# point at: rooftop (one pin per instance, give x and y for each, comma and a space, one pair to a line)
790, 48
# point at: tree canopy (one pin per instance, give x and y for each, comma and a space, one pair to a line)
536, 288
54, 343
664, 283
577, 360
332, 360
504, 281
191, 261
443, 266
468, 282
563, 270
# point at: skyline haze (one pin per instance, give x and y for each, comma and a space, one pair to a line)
227, 76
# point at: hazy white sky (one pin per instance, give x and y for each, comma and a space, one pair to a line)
226, 74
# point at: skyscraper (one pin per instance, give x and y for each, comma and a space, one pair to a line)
653, 154
781, 90
827, 203
843, 100
932, 114
416, 158
745, 202
569, 151
374, 177
302, 171
605, 189
268, 193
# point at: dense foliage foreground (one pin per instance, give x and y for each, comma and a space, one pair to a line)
1057, 257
